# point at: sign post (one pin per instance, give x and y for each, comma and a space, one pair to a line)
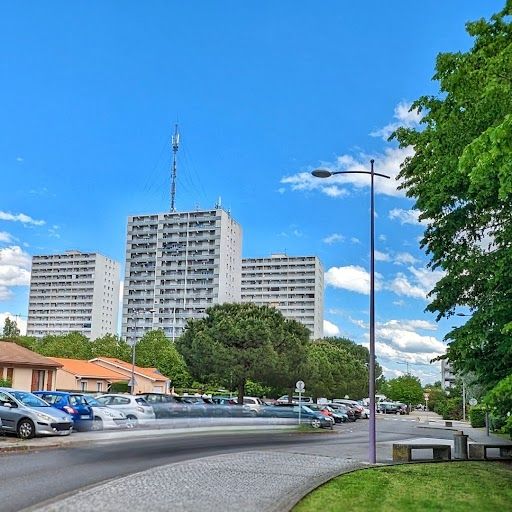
299, 388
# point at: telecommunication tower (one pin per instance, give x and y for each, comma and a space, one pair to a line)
175, 143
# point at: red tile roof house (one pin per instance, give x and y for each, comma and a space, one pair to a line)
147, 380
25, 369
84, 376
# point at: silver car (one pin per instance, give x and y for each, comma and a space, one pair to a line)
107, 417
28, 416
137, 410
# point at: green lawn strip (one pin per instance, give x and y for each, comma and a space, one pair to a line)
453, 487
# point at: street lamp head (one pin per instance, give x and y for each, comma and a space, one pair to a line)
321, 173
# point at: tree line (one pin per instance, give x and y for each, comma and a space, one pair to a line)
238, 347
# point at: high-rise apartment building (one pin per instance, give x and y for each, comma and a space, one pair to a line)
177, 265
73, 291
292, 284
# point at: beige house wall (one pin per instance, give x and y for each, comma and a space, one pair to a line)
142, 383
22, 377
67, 381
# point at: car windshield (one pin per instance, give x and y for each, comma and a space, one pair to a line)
93, 402
141, 401
29, 399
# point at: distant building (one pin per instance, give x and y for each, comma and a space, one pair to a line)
177, 265
292, 284
73, 291
447, 375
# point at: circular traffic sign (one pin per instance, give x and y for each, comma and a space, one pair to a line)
473, 401
300, 386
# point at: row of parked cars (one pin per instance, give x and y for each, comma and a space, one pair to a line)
59, 413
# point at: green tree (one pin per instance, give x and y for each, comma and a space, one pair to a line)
154, 350
405, 389
238, 342
111, 345
10, 328
461, 177
335, 372
73, 345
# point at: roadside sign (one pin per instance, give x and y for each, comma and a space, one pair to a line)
426, 396
473, 401
300, 386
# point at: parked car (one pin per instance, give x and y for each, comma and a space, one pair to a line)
357, 408
106, 417
389, 408
344, 409
28, 416
73, 404
228, 407
137, 410
253, 405
295, 400
337, 416
165, 406
315, 418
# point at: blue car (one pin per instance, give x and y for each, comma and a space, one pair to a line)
73, 404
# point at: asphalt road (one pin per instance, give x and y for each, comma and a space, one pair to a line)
28, 479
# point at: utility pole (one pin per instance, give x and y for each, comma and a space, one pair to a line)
175, 143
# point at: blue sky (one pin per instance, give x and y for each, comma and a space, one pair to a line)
264, 93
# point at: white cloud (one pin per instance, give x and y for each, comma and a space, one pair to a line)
418, 285
399, 302
5, 293
405, 216
404, 117
20, 322
14, 269
331, 239
402, 286
330, 329
352, 278
382, 256
387, 163
382, 238
404, 258
121, 291
355, 240
6, 237
20, 217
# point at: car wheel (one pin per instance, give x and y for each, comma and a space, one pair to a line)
132, 421
315, 423
97, 424
26, 429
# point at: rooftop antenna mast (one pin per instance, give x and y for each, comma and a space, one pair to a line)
175, 143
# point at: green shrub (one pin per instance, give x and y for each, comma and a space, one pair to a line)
477, 416
451, 409
5, 383
119, 387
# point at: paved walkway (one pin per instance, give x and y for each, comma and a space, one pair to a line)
256, 480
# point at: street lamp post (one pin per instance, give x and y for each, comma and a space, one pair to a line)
372, 437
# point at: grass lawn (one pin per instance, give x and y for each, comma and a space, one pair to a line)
453, 487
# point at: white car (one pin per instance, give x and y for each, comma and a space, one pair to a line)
136, 409
106, 417
253, 405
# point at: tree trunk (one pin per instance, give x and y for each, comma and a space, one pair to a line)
290, 395
241, 392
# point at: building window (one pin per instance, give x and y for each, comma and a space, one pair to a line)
83, 385
99, 386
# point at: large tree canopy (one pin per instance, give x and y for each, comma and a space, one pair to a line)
238, 342
461, 177
406, 389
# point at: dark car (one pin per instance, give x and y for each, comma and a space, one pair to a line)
345, 409
74, 404
314, 418
165, 406
389, 408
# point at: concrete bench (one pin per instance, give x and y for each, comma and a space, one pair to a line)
479, 451
403, 452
